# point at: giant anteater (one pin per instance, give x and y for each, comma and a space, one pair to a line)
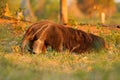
59, 37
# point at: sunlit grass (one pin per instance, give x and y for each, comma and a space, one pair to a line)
59, 66
102, 65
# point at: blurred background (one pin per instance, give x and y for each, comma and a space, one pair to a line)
82, 11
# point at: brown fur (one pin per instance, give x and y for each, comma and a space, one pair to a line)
59, 38
50, 36
31, 32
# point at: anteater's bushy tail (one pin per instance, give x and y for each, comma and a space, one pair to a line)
97, 42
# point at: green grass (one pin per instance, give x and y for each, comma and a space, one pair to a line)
102, 65
56, 66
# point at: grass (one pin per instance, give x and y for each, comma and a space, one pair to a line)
56, 66
102, 65
113, 20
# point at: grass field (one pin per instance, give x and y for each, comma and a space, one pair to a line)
102, 65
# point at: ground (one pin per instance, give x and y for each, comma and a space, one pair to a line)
96, 65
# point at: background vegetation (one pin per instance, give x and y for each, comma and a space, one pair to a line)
102, 65
49, 9
94, 65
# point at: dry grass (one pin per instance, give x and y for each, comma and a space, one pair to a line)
102, 65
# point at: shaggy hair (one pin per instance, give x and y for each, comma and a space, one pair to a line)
31, 32
59, 37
